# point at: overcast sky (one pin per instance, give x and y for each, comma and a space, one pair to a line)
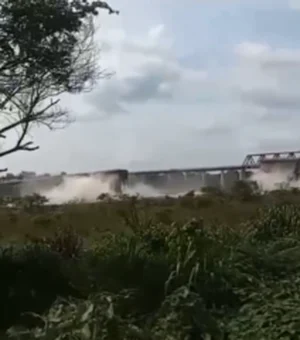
197, 83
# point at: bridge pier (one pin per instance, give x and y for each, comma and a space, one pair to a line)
242, 175
222, 181
203, 179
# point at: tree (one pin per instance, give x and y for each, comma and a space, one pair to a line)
46, 49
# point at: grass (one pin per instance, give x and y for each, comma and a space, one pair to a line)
215, 267
91, 220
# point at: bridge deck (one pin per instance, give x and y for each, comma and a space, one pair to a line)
249, 163
204, 169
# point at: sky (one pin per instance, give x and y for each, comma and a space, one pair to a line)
196, 83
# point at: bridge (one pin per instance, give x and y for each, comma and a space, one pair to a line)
218, 176
193, 170
251, 161
258, 158
170, 180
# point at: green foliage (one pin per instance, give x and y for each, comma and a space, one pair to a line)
65, 241
32, 277
183, 315
42, 35
277, 221
90, 319
270, 299
269, 313
47, 48
158, 278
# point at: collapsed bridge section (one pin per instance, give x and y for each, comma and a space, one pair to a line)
117, 179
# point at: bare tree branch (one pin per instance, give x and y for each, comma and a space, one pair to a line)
41, 57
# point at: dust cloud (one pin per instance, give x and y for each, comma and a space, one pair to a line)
88, 189
279, 179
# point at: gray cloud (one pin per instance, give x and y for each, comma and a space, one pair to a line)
268, 78
154, 81
148, 72
271, 99
181, 116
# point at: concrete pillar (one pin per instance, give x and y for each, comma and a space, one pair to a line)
203, 179
222, 180
242, 175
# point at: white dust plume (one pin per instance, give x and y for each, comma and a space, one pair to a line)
273, 180
88, 189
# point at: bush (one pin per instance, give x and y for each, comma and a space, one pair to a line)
31, 279
277, 221
163, 276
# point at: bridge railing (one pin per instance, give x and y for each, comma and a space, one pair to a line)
257, 158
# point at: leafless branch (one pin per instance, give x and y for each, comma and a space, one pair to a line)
104, 5
29, 93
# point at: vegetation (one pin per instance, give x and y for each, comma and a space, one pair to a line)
216, 266
46, 49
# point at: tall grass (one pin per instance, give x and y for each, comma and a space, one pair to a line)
159, 278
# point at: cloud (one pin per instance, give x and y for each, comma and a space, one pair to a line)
265, 81
268, 77
195, 84
147, 70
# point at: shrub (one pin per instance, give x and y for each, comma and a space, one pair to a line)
66, 241
270, 313
164, 276
31, 279
277, 221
